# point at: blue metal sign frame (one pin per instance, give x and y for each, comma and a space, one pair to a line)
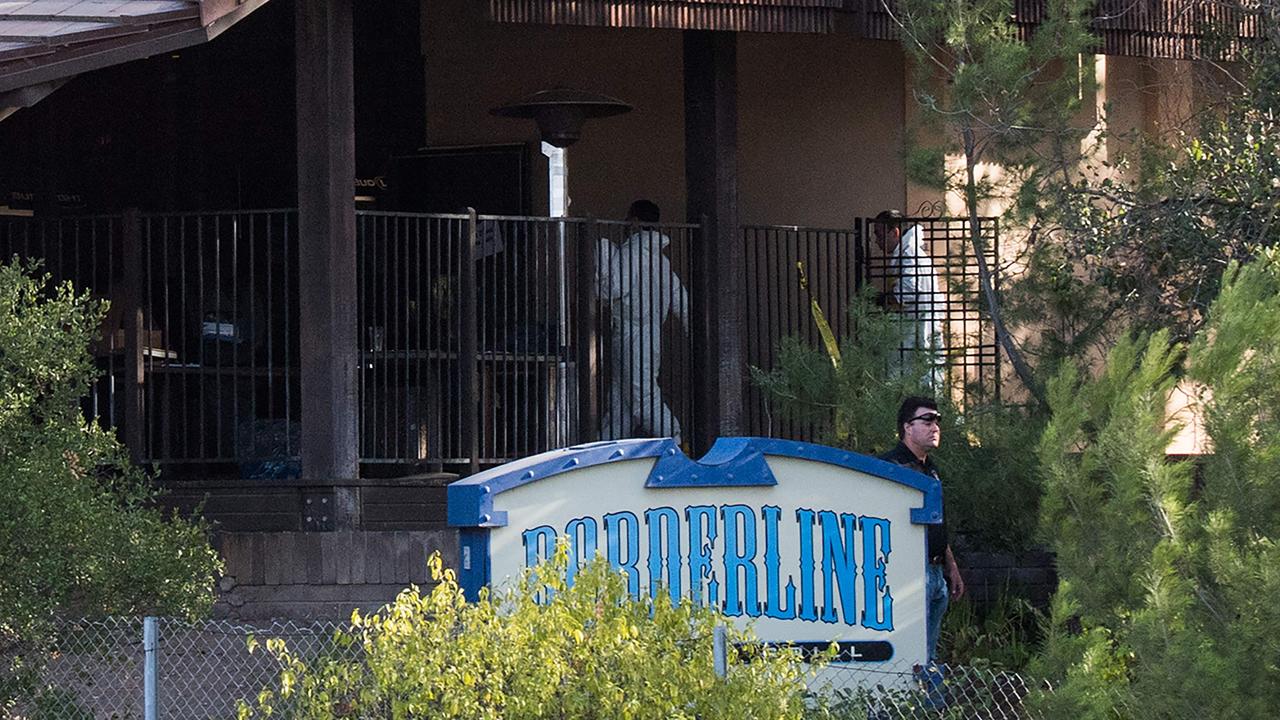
731, 462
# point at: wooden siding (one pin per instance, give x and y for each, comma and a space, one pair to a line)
307, 575
805, 16
1176, 29
1181, 29
413, 503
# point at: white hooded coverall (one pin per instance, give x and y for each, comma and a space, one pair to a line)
640, 287
915, 289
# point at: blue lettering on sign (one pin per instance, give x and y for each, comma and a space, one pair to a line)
702, 540
613, 530
804, 518
539, 542
828, 547
838, 568
739, 564
877, 604
773, 606
582, 544
664, 567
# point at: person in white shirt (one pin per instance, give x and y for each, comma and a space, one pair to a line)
913, 292
638, 283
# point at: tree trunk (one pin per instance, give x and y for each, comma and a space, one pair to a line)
1003, 337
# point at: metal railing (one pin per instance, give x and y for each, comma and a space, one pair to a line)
88, 253
930, 289
832, 261
220, 343
487, 338
481, 338
154, 668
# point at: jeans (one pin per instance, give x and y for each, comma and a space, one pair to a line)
936, 601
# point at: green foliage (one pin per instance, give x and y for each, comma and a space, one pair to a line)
589, 651
1150, 233
1004, 635
992, 95
973, 70
77, 533
989, 472
1166, 607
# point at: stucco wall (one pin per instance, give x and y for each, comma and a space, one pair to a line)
820, 116
821, 123
474, 65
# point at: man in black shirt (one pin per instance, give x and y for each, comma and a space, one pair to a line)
918, 433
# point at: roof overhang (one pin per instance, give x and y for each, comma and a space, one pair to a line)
804, 16
44, 43
1184, 29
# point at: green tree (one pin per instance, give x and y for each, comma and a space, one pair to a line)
1168, 576
1157, 236
78, 533
992, 95
1140, 239
851, 399
539, 649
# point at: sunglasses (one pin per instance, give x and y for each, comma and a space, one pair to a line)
932, 418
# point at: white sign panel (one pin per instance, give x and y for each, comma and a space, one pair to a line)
808, 544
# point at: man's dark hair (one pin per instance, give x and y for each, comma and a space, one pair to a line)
888, 219
909, 406
645, 211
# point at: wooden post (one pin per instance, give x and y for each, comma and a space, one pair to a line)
711, 174
585, 333
130, 297
327, 251
468, 349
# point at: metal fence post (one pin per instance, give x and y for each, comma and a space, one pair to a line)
468, 350
586, 339
720, 649
149, 668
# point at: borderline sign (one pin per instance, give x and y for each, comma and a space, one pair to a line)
807, 543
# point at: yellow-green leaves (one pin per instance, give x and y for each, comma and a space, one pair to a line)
587, 651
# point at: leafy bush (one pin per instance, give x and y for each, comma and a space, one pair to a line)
1003, 635
1167, 607
77, 533
989, 472
586, 651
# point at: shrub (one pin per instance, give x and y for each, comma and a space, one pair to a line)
77, 533
1166, 607
989, 470
585, 651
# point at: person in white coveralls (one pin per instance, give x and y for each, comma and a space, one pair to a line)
641, 289
913, 291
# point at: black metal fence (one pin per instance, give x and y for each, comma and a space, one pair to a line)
554, 335
88, 253
199, 349
481, 338
929, 284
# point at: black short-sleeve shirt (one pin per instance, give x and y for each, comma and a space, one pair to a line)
937, 537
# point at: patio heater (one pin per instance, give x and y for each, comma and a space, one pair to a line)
560, 113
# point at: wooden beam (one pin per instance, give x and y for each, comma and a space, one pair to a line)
327, 251
711, 175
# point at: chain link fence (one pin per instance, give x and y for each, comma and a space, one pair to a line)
115, 669
899, 692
